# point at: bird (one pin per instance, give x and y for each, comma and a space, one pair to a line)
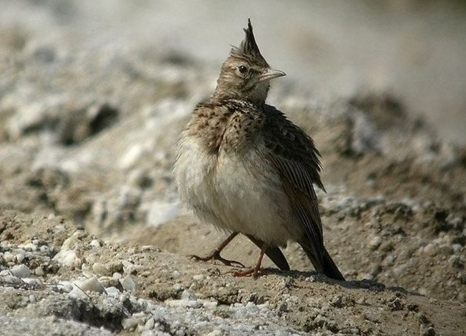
244, 167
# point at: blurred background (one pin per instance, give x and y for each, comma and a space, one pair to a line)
415, 50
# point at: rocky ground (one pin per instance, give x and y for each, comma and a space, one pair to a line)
93, 238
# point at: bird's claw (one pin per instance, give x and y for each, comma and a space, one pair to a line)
255, 271
216, 256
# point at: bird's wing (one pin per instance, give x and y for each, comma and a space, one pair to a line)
295, 157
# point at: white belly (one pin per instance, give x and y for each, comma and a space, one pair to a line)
235, 193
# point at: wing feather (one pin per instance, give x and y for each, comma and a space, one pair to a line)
295, 157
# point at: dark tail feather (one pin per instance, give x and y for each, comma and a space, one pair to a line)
274, 253
330, 269
327, 266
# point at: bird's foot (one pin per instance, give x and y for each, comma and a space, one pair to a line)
255, 271
216, 256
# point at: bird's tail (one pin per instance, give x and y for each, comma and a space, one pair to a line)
326, 265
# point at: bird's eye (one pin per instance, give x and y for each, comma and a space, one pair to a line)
242, 69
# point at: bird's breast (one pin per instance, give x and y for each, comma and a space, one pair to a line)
235, 191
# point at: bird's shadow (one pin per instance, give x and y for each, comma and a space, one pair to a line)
313, 276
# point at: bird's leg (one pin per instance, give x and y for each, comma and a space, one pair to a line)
216, 254
256, 270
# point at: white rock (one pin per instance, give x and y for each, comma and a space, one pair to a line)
128, 283
71, 243
188, 296
11, 279
8, 257
65, 286
39, 271
150, 323
101, 269
90, 285
68, 258
19, 256
95, 243
431, 249
183, 303
198, 277
32, 281
20, 271
113, 292
375, 242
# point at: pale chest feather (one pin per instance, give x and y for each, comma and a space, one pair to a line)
237, 192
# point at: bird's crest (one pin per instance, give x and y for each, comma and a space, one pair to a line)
249, 49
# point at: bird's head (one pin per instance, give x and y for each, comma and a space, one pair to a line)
246, 74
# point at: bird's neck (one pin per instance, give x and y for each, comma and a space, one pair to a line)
256, 96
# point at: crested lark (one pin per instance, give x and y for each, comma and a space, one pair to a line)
245, 168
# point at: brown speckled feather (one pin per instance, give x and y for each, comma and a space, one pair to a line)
295, 157
244, 167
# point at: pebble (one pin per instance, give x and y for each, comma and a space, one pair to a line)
90, 285
431, 249
11, 279
375, 242
68, 258
198, 277
65, 286
113, 292
188, 296
101, 269
20, 257
183, 303
128, 283
8, 257
107, 281
150, 323
20, 271
95, 243
39, 271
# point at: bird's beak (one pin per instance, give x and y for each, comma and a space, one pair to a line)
271, 74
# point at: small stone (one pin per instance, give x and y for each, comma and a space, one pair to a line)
39, 271
20, 271
128, 283
188, 295
431, 249
375, 242
68, 258
95, 243
113, 292
150, 323
198, 277
176, 274
183, 303
101, 269
90, 285
32, 282
130, 323
124, 297
8, 257
20, 257
11, 279
107, 281
65, 286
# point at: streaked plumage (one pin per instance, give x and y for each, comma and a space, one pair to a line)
244, 167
